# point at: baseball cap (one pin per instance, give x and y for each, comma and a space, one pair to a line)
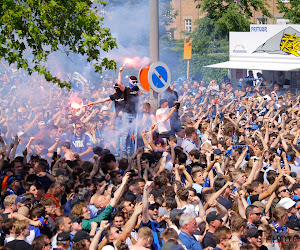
286, 203
254, 127
217, 151
254, 232
81, 235
21, 198
74, 218
63, 236
293, 224
174, 212
212, 216
153, 205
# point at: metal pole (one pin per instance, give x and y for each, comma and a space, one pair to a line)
188, 69
154, 45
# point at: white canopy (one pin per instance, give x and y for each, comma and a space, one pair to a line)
265, 47
256, 66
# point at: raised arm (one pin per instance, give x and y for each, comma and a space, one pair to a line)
130, 224
216, 195
145, 201
99, 101
120, 84
119, 192
271, 189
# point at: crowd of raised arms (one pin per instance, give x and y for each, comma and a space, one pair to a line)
215, 166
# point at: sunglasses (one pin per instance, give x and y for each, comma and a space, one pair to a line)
258, 214
79, 128
284, 190
152, 208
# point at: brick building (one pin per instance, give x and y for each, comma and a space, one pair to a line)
188, 13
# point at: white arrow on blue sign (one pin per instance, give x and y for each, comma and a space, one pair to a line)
159, 77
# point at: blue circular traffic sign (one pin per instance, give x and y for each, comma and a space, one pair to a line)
159, 76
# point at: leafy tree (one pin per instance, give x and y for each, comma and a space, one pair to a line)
43, 27
291, 10
233, 15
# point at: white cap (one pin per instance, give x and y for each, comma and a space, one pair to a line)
286, 203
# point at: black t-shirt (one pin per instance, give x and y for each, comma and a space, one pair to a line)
208, 240
226, 203
131, 96
254, 198
119, 101
18, 245
5, 216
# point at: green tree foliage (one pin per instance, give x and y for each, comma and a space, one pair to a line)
233, 15
291, 10
211, 35
45, 26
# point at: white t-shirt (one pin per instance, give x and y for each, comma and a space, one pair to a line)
187, 146
189, 209
161, 114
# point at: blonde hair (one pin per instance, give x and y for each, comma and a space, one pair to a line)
279, 212
19, 226
144, 233
90, 126
9, 200
78, 209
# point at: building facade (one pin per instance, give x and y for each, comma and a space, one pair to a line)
187, 14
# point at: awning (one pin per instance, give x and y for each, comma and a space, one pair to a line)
275, 66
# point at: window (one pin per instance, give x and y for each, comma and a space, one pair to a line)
188, 25
282, 21
262, 20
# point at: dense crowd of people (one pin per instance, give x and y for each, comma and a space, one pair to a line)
216, 166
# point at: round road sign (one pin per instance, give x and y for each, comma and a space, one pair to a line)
159, 76
143, 78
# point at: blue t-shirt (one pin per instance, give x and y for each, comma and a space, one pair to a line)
81, 143
190, 242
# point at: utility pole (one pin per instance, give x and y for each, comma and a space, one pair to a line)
154, 46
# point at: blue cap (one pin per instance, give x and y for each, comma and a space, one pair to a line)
254, 127
21, 198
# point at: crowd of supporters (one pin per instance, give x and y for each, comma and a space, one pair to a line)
216, 166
